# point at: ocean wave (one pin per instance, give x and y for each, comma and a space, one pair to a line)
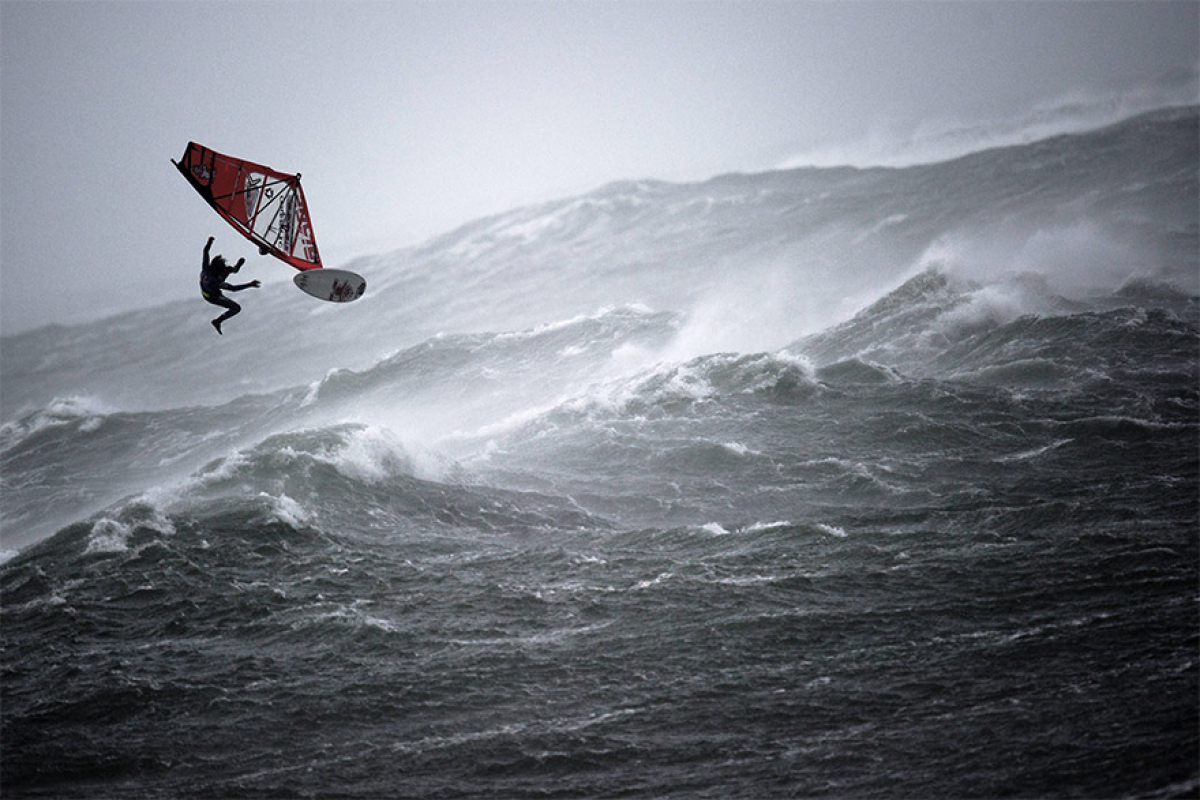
81, 414
780, 375
585, 345
1011, 333
857, 371
1024, 372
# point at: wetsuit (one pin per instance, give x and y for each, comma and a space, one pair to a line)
212, 284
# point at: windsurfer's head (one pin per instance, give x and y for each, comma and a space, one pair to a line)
218, 262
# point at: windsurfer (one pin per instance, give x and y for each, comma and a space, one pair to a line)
212, 282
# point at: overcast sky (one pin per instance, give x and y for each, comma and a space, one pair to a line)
410, 118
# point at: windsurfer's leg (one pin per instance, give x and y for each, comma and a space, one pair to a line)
233, 307
225, 302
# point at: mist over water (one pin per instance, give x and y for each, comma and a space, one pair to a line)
812, 482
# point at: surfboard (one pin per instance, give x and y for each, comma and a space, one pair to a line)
334, 285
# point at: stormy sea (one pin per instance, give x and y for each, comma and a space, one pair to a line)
824, 482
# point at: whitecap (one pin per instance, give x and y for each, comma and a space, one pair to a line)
372, 455
289, 511
89, 412
108, 536
655, 581
768, 526
832, 530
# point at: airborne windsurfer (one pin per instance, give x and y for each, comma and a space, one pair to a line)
212, 283
268, 208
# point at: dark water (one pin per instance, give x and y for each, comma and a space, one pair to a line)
945, 548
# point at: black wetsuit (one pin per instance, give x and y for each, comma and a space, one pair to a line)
212, 284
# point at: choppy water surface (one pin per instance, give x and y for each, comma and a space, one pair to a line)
945, 547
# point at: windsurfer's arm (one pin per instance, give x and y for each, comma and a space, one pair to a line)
230, 287
208, 247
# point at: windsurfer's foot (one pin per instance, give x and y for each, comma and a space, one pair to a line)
216, 323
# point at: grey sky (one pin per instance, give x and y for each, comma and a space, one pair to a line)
407, 119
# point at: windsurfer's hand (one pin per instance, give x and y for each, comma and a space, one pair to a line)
256, 284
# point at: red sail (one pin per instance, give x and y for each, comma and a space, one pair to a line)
266, 206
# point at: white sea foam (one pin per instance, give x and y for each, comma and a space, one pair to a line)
352, 615
375, 454
108, 536
372, 455
1022, 266
662, 577
110, 533
758, 527
289, 511
88, 411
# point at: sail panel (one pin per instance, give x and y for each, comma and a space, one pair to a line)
264, 205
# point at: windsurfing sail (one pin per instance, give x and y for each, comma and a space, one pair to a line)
265, 205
